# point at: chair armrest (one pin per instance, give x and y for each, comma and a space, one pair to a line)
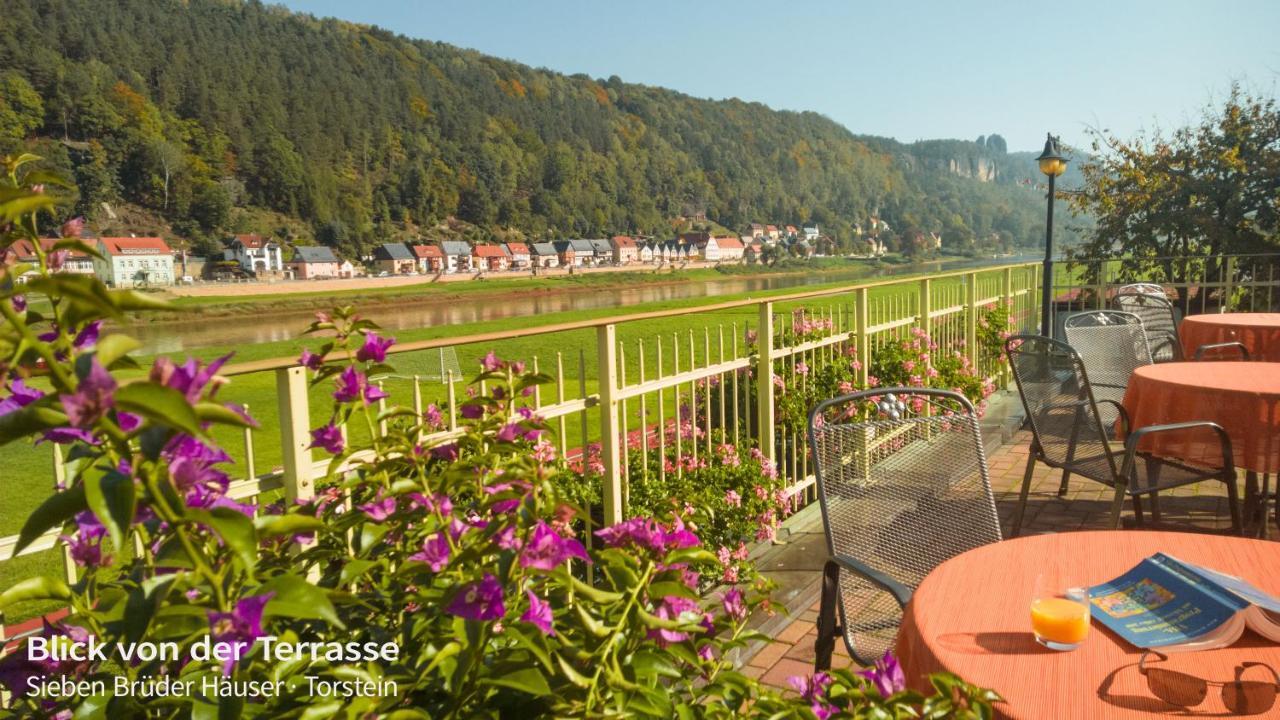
1131, 442
1244, 351
900, 592
1124, 414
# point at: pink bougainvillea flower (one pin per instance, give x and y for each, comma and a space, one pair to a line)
240, 628
93, 397
490, 362
674, 607
328, 437
85, 545
433, 417
539, 614
435, 552
480, 600
380, 509
813, 690
310, 360
548, 549
886, 675
733, 604
72, 228
508, 433
20, 396
448, 451
374, 348
190, 378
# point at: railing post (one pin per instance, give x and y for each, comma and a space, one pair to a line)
764, 384
295, 421
1228, 286
1037, 278
926, 305
862, 321
1007, 295
610, 455
971, 318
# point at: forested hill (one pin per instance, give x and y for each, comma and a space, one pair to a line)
216, 115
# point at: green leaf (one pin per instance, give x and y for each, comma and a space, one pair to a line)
128, 300
52, 513
160, 404
571, 674
297, 598
591, 593
666, 587
36, 588
92, 708
691, 555
220, 414
114, 347
113, 498
649, 664
235, 529
528, 680
355, 568
273, 525
29, 420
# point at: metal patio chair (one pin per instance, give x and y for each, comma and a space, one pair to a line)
900, 492
1222, 351
1112, 345
1150, 303
1068, 434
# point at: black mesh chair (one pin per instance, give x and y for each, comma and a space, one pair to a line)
1067, 433
903, 485
1112, 345
1222, 351
1150, 303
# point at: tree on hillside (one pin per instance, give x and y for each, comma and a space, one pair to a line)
1206, 190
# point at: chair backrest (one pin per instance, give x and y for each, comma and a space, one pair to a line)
903, 485
1111, 344
1158, 319
1059, 402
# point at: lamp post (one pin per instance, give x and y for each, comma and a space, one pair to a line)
1052, 164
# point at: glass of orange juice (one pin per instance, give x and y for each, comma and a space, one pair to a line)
1059, 619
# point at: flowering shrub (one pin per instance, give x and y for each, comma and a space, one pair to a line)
432, 574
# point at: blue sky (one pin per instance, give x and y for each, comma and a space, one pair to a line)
908, 70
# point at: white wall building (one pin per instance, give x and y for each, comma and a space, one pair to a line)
255, 254
134, 262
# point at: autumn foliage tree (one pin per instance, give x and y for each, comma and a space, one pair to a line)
1205, 190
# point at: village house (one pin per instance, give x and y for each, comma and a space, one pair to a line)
811, 234
519, 254
490, 257
756, 230
584, 252
430, 258
457, 256
708, 249
753, 252
348, 270
731, 249
256, 254
624, 249
771, 232
544, 255
604, 251
134, 262
24, 251
644, 252
693, 238
394, 259
791, 232
566, 253
310, 263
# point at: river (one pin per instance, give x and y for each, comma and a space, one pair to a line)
184, 336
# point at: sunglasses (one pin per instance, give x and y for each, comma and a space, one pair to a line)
1242, 697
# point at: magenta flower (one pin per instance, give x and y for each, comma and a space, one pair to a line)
239, 629
310, 360
814, 691
886, 675
189, 378
88, 336
548, 549
472, 411
352, 385
328, 437
20, 396
85, 546
374, 348
127, 421
490, 362
380, 509
72, 228
508, 433
19, 303
674, 607
191, 468
432, 416
639, 532
733, 604
435, 552
93, 397
57, 259
448, 451
480, 600
539, 613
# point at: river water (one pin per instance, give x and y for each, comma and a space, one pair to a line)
182, 336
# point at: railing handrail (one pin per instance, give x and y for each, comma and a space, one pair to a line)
1161, 258
280, 363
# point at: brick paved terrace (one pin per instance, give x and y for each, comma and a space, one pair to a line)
797, 564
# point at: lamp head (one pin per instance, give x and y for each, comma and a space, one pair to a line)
1051, 161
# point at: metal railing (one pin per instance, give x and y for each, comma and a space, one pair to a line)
635, 378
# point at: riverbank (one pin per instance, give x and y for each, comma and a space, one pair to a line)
231, 299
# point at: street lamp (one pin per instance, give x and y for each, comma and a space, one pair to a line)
1052, 164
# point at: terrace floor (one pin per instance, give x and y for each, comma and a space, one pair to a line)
797, 565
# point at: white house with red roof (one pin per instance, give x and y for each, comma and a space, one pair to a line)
130, 262
731, 249
255, 253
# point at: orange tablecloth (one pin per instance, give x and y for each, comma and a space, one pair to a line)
1242, 397
1259, 332
971, 616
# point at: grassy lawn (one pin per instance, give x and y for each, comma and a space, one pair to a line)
27, 475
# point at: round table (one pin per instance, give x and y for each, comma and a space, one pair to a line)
1258, 332
1242, 397
971, 616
